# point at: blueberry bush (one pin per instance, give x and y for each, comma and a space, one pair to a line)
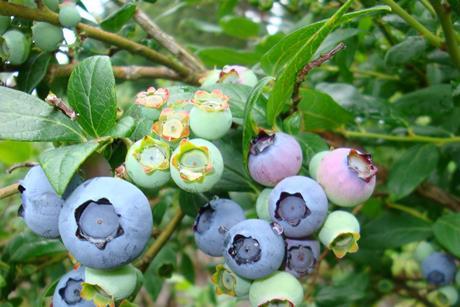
229, 153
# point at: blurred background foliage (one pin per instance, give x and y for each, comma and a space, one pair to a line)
390, 91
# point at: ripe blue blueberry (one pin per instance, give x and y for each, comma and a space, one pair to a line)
68, 290
439, 269
301, 256
253, 249
40, 204
274, 157
299, 205
105, 223
213, 222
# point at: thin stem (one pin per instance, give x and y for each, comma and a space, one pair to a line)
410, 211
439, 196
14, 167
9, 190
401, 138
414, 23
429, 7
164, 236
46, 15
302, 74
120, 72
444, 15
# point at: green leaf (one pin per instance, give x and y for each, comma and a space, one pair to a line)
393, 230
36, 249
91, 93
433, 100
414, 166
165, 262
124, 127
33, 71
321, 111
311, 144
249, 126
278, 56
153, 284
60, 164
447, 232
24, 117
119, 18
191, 203
285, 80
22, 152
187, 268
239, 27
410, 49
347, 290
219, 56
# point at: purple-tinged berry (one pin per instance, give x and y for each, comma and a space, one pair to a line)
274, 157
67, 292
299, 205
196, 165
340, 233
210, 118
347, 176
106, 223
439, 269
147, 163
278, 289
228, 282
254, 248
301, 256
213, 222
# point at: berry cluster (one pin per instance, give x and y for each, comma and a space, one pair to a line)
105, 222
17, 41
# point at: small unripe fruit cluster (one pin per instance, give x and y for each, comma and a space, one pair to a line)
233, 74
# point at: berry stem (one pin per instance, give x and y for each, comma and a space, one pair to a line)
120, 72
414, 23
162, 239
444, 15
410, 211
400, 138
9, 190
46, 15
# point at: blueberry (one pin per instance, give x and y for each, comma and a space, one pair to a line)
16, 46
196, 165
213, 222
444, 296
423, 250
340, 233
301, 256
46, 36
253, 249
153, 98
233, 74
40, 204
172, 125
274, 157
278, 289
68, 289
105, 223
439, 269
119, 283
227, 282
315, 162
147, 163
299, 205
347, 176
210, 118
69, 16
262, 205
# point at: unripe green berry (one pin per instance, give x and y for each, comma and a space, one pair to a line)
423, 250
147, 163
4, 23
47, 36
52, 4
119, 283
262, 205
69, 16
279, 289
315, 161
16, 46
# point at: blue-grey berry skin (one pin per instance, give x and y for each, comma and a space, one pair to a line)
40, 204
106, 222
213, 222
439, 269
253, 249
301, 256
299, 204
67, 292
